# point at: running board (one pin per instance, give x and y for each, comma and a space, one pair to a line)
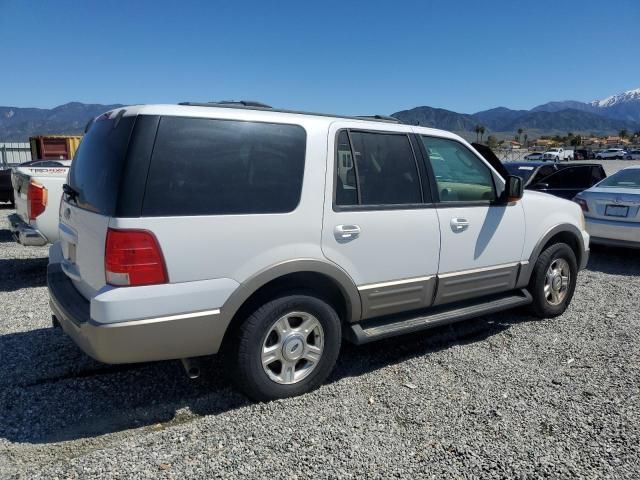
390, 326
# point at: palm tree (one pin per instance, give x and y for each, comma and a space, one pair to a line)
519, 133
477, 130
525, 139
481, 132
623, 133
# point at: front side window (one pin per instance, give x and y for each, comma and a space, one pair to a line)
376, 169
460, 175
219, 167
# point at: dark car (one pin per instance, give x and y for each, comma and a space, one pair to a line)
6, 190
561, 180
583, 154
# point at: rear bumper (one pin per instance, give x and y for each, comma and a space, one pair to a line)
24, 233
613, 232
149, 339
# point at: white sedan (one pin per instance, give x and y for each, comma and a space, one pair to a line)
612, 209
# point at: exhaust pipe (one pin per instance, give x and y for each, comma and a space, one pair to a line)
191, 368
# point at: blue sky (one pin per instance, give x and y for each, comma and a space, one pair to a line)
333, 56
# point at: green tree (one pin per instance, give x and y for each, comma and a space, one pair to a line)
526, 138
477, 130
482, 130
519, 133
492, 141
623, 133
576, 141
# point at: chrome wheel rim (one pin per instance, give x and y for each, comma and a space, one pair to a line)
292, 348
556, 282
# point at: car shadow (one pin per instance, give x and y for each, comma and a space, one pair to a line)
6, 236
52, 392
18, 273
614, 260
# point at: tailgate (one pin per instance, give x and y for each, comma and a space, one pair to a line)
20, 182
82, 239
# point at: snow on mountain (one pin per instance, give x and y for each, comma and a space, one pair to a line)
628, 96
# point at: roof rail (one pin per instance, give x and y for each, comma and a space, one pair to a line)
228, 103
384, 118
249, 105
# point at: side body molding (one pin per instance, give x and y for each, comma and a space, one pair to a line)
527, 268
333, 272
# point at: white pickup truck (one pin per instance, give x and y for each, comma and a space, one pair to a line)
37, 189
557, 155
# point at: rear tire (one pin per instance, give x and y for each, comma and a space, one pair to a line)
553, 281
287, 347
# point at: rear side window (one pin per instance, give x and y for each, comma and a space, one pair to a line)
218, 167
384, 172
97, 166
572, 177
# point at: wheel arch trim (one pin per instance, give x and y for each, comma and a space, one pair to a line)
342, 280
583, 254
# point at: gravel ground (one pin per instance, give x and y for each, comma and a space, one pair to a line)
500, 396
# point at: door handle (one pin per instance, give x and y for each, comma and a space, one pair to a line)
346, 232
459, 224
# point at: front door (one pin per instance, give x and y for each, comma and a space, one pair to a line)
481, 240
379, 223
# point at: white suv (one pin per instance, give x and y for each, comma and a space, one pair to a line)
269, 236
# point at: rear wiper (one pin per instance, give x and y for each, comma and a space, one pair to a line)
70, 192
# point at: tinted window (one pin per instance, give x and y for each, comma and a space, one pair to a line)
460, 175
217, 167
97, 166
522, 171
346, 187
575, 177
597, 174
385, 168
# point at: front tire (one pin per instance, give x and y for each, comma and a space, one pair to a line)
287, 347
553, 281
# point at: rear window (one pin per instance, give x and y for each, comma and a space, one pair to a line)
218, 167
97, 166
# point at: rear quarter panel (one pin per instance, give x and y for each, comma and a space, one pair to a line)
239, 246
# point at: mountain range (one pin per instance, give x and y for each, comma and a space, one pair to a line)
601, 117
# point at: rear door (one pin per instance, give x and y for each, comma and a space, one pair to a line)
95, 176
379, 223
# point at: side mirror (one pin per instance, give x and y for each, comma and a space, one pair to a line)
514, 188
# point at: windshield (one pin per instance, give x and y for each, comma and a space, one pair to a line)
522, 171
623, 179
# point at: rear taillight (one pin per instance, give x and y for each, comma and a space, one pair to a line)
36, 199
133, 257
583, 204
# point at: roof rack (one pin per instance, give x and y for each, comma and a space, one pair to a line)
229, 103
384, 118
251, 105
